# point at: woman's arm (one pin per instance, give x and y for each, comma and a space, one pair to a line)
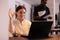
10, 26
10, 23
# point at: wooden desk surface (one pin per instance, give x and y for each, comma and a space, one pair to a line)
53, 37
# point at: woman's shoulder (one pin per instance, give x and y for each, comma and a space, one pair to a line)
27, 21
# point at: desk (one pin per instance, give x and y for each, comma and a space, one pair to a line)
18, 38
53, 37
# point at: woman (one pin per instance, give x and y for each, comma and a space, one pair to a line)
19, 26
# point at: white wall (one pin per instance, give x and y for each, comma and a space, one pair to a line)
50, 4
28, 6
11, 4
56, 9
3, 19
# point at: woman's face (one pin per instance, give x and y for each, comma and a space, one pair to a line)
21, 14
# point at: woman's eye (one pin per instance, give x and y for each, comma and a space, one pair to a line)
22, 12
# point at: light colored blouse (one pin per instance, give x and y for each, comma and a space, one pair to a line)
20, 28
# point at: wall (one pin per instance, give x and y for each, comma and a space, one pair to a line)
4, 20
11, 4
50, 4
56, 9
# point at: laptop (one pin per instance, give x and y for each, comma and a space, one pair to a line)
40, 29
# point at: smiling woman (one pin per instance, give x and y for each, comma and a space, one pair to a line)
19, 26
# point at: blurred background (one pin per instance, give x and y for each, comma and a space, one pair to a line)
5, 5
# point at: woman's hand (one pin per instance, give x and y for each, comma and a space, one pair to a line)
11, 14
16, 35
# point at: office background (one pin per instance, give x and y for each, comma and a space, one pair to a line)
5, 5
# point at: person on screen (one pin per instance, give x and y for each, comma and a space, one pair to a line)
41, 10
19, 26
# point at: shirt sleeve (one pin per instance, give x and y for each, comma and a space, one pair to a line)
11, 28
